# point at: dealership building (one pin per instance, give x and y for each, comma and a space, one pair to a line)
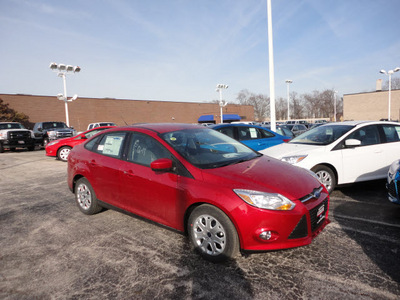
122, 112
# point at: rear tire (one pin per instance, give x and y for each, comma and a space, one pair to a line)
212, 233
326, 176
86, 198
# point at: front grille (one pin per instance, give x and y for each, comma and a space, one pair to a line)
317, 218
63, 134
19, 135
393, 188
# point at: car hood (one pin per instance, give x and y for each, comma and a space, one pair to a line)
265, 174
289, 149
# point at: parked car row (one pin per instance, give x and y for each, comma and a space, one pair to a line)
338, 153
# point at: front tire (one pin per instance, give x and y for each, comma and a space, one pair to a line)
326, 176
212, 233
86, 198
63, 152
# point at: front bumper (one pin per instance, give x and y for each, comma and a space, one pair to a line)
393, 188
21, 143
286, 229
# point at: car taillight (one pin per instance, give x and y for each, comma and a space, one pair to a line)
286, 140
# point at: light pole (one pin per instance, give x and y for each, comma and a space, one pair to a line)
389, 73
271, 68
219, 89
62, 71
288, 81
334, 105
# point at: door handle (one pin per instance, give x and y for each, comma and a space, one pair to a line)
129, 173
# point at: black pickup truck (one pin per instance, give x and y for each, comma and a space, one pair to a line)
46, 132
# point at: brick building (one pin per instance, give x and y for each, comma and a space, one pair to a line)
371, 106
89, 110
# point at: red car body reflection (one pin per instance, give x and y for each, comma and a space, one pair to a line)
212, 187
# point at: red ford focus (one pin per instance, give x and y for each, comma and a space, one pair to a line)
225, 196
61, 148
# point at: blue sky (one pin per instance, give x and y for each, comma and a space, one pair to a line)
180, 50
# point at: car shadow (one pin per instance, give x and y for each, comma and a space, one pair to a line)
207, 280
373, 222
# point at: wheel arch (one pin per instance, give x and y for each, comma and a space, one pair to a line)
76, 178
190, 209
330, 166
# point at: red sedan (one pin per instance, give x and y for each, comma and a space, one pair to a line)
61, 148
224, 195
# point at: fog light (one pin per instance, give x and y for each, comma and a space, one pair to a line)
265, 235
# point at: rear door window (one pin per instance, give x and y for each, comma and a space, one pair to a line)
391, 132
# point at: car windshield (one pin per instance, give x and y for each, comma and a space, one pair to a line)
208, 149
11, 126
49, 125
322, 135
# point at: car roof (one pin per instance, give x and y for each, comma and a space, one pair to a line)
235, 125
356, 123
163, 127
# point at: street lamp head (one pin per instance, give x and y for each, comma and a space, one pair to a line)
70, 68
382, 71
289, 81
222, 86
396, 70
53, 66
60, 97
77, 69
62, 67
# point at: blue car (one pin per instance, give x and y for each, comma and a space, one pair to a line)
393, 184
255, 137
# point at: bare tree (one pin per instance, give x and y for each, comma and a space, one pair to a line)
281, 108
395, 84
297, 110
260, 103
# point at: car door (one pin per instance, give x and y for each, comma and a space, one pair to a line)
367, 161
145, 192
104, 164
255, 138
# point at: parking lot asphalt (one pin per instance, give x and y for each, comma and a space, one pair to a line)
50, 250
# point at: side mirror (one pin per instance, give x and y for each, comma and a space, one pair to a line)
40, 129
352, 143
162, 164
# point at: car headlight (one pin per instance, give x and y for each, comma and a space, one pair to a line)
53, 143
265, 200
393, 168
51, 133
293, 159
